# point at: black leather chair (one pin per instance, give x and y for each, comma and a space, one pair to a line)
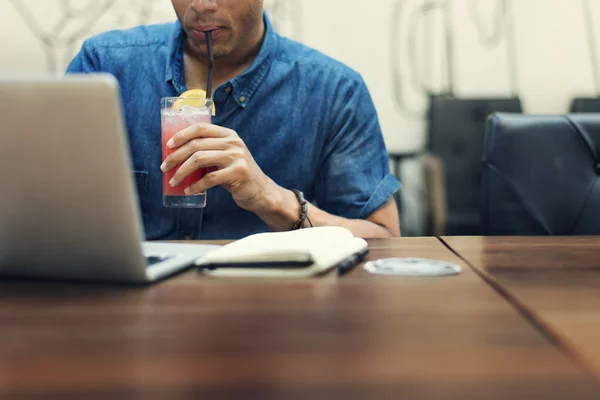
456, 129
585, 105
541, 175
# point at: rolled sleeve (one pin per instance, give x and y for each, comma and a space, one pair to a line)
384, 191
354, 178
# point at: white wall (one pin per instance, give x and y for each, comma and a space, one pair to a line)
552, 56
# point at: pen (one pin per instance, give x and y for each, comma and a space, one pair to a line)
351, 262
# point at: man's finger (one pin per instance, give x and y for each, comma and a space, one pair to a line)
198, 160
180, 155
210, 180
196, 131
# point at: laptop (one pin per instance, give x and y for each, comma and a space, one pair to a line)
68, 204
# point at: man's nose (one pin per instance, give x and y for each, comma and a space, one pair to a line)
204, 6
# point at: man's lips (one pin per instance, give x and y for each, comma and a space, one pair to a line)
200, 32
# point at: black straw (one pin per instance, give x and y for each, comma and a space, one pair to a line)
211, 64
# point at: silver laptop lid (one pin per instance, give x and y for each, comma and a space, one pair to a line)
67, 198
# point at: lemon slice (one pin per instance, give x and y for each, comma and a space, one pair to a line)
194, 98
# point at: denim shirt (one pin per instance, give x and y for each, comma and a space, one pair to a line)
308, 121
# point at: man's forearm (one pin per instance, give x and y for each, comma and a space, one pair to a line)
359, 227
283, 210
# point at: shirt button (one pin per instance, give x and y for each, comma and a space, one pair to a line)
228, 89
243, 99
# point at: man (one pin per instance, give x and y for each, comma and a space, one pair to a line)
287, 118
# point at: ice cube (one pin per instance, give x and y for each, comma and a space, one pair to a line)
188, 111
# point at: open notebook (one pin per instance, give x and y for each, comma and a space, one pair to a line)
302, 253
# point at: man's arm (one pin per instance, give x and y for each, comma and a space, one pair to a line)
234, 168
284, 210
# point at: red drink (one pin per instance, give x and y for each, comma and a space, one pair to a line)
173, 121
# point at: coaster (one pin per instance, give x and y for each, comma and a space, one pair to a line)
412, 267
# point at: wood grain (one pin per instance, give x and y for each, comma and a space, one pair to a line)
358, 336
506, 253
554, 280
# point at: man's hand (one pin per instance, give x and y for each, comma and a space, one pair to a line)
232, 166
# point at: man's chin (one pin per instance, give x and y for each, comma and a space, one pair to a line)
200, 50
221, 54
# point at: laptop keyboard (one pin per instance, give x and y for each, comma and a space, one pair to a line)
152, 260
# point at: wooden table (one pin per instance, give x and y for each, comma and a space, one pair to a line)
354, 337
555, 282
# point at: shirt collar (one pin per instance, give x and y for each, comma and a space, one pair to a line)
244, 85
